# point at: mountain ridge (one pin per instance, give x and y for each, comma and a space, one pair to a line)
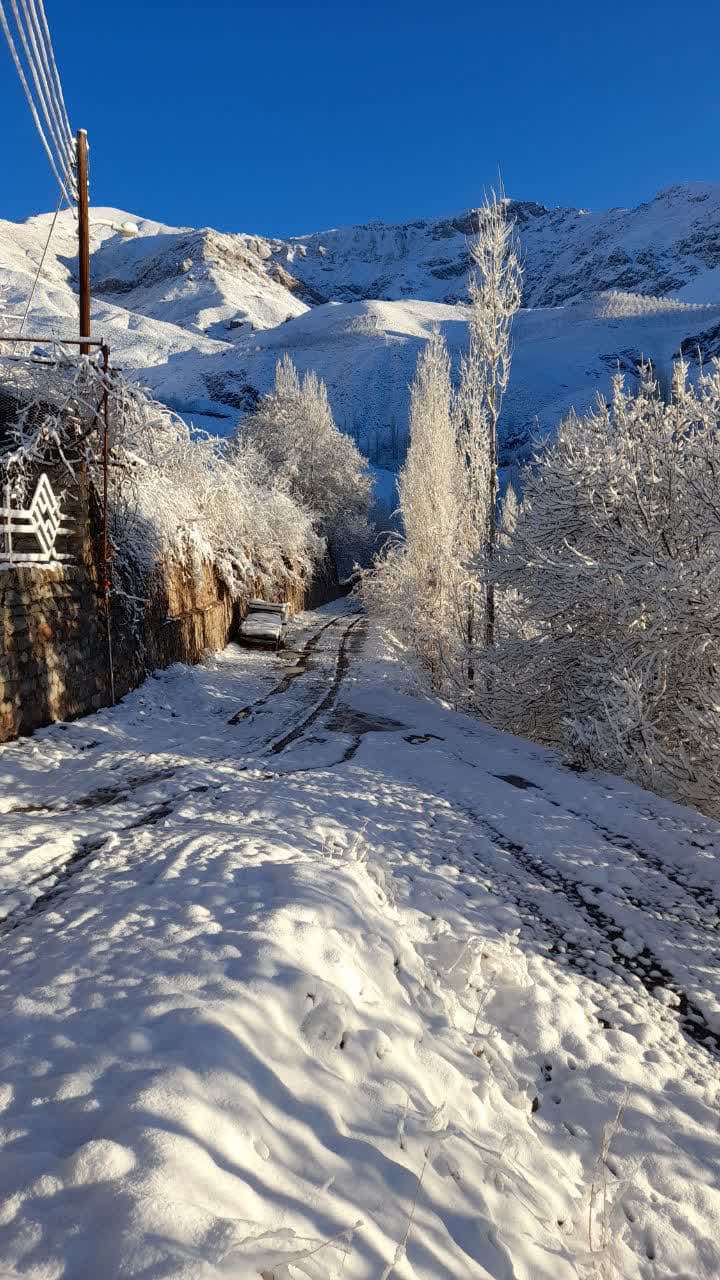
201, 316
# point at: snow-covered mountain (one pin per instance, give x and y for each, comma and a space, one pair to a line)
202, 316
366, 352
669, 245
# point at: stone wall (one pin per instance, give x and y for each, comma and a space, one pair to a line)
52, 648
53, 632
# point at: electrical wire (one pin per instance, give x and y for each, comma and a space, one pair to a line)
36, 72
35, 13
32, 59
61, 181
54, 68
32, 26
40, 267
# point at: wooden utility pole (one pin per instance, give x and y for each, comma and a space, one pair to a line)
83, 238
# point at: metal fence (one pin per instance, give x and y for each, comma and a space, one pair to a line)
33, 534
54, 416
53, 411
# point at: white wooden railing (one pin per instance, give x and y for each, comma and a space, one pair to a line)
38, 526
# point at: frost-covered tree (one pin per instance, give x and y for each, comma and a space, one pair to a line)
173, 493
508, 516
508, 608
294, 430
495, 292
615, 562
415, 583
435, 582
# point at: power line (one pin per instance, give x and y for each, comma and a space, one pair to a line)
32, 26
40, 267
40, 37
42, 89
54, 68
31, 103
65, 181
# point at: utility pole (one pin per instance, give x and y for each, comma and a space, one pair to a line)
83, 238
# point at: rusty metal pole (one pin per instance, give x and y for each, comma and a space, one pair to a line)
106, 533
83, 238
106, 424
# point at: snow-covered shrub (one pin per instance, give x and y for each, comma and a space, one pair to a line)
293, 428
192, 493
173, 492
614, 564
620, 302
52, 415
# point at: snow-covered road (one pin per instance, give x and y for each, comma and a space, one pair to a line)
285, 949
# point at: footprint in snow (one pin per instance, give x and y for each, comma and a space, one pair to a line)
324, 1026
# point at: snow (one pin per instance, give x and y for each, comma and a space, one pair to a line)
385, 488
568, 253
305, 975
366, 353
202, 317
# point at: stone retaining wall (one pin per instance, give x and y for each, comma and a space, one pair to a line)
53, 632
52, 648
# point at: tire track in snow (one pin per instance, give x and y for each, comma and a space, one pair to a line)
283, 685
62, 873
341, 667
101, 796
81, 855
697, 895
702, 895
86, 848
643, 964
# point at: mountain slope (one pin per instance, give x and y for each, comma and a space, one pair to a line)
203, 316
201, 280
366, 352
669, 245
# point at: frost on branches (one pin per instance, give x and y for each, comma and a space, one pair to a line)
614, 566
495, 294
191, 496
173, 492
433, 586
294, 431
416, 583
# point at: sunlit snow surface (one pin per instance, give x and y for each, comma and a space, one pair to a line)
286, 947
202, 317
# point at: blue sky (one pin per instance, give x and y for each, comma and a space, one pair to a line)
290, 117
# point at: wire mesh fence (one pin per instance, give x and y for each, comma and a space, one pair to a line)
44, 378
11, 318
